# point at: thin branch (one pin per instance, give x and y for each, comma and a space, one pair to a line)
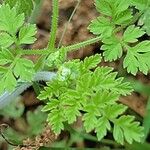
67, 48
82, 44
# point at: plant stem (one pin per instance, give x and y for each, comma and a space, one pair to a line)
125, 46
7, 98
35, 52
55, 14
82, 44
90, 137
67, 48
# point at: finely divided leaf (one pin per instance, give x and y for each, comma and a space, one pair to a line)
112, 49
104, 7
102, 99
27, 34
72, 112
113, 111
6, 57
137, 58
128, 129
101, 128
24, 69
87, 118
22, 6
13, 31
101, 26
131, 63
6, 40
55, 119
10, 21
140, 4
120, 5
123, 18
132, 34
111, 7
53, 104
93, 94
92, 62
8, 81
118, 134
144, 21
10, 24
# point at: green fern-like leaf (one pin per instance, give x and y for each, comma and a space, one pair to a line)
6, 57
126, 128
101, 26
91, 62
27, 34
8, 81
92, 94
10, 27
23, 6
55, 119
24, 69
118, 33
12, 66
137, 58
14, 22
112, 49
80, 88
132, 34
101, 128
143, 6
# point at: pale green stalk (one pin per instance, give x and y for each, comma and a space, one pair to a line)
7, 97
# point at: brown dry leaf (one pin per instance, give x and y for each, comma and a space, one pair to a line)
47, 137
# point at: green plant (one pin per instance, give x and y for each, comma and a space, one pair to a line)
79, 88
119, 35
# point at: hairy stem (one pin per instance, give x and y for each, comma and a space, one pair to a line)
67, 48
35, 51
82, 44
55, 14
